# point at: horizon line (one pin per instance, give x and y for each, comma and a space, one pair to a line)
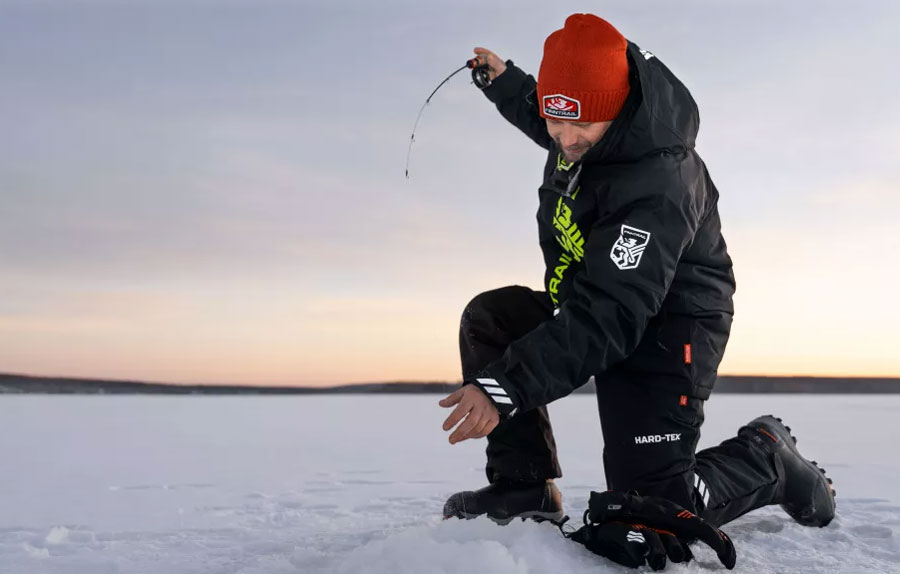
389, 381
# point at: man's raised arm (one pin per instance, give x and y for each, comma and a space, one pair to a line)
513, 92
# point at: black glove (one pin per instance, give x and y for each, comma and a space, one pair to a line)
631, 530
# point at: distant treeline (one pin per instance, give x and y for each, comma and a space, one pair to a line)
726, 384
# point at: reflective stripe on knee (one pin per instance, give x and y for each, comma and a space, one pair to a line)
701, 489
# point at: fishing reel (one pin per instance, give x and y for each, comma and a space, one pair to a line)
481, 74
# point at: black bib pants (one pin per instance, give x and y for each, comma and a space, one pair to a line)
650, 435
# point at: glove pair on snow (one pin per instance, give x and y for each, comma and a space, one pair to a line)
632, 530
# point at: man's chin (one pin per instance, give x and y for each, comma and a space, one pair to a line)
572, 158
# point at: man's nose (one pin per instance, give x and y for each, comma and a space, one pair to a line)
568, 137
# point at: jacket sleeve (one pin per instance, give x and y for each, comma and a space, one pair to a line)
514, 94
613, 299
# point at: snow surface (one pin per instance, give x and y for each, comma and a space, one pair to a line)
355, 484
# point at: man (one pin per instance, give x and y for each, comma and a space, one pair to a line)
639, 289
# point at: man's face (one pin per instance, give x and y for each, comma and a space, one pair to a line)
575, 138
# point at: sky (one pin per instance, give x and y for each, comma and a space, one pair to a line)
214, 192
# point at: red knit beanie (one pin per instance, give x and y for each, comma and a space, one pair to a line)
584, 73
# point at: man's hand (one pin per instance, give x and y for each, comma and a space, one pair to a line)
495, 63
481, 416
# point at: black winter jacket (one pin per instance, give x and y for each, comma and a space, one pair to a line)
637, 267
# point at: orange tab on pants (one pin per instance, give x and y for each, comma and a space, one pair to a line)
687, 354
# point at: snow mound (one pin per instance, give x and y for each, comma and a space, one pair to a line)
454, 546
767, 541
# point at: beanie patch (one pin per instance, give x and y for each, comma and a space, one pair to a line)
560, 106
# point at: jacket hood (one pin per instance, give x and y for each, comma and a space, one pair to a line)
659, 114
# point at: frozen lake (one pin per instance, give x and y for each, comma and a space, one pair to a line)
150, 484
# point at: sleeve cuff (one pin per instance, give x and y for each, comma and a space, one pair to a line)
506, 84
498, 395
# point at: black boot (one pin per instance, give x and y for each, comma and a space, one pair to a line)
806, 493
504, 500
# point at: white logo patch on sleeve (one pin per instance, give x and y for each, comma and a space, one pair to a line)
628, 248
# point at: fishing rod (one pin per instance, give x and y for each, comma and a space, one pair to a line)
481, 78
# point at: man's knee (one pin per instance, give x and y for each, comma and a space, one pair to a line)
673, 482
497, 302
496, 297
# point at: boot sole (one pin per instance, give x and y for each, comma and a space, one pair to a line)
790, 442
